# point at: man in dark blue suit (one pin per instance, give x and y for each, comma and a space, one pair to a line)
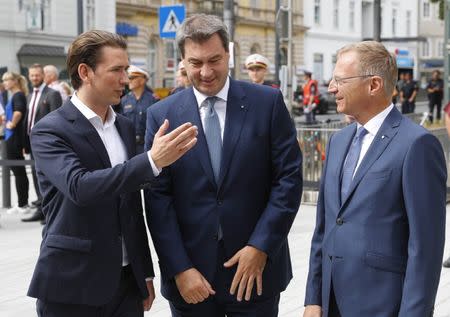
378, 243
221, 214
94, 258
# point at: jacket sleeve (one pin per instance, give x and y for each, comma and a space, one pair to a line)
276, 220
161, 216
57, 160
424, 192
313, 294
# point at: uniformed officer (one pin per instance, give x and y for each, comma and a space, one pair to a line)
134, 104
257, 65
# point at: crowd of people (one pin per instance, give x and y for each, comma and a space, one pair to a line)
220, 168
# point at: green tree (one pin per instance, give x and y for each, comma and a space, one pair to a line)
441, 7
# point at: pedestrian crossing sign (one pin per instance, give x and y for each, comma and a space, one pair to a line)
170, 19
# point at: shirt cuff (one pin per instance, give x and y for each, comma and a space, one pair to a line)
147, 279
156, 171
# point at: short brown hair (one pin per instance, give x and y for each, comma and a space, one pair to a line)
36, 66
374, 59
86, 49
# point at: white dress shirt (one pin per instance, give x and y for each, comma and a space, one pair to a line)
111, 139
372, 126
220, 105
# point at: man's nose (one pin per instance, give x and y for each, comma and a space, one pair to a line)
205, 71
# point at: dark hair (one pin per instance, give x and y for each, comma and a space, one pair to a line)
200, 28
86, 49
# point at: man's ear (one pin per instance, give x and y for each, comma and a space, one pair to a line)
84, 73
376, 85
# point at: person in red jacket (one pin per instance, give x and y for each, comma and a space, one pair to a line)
310, 98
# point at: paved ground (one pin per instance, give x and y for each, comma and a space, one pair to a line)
19, 243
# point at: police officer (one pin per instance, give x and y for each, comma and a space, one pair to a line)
257, 65
134, 104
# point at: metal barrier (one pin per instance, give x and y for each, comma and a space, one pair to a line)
313, 143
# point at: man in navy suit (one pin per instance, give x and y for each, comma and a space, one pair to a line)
379, 237
94, 258
221, 214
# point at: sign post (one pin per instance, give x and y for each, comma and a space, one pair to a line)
170, 19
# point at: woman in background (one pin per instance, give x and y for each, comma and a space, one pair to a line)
15, 111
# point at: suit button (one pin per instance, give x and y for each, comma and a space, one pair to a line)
339, 221
220, 202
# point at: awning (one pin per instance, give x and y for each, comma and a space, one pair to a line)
41, 50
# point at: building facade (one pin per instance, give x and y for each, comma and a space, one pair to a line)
254, 33
40, 31
334, 23
431, 50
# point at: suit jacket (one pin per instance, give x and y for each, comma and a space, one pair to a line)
50, 100
381, 248
256, 198
89, 207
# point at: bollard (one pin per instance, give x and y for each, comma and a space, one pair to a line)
6, 184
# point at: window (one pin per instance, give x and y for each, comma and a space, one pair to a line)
440, 48
89, 15
170, 56
255, 49
426, 9
318, 66
152, 62
317, 11
351, 20
336, 13
408, 23
38, 13
394, 22
425, 49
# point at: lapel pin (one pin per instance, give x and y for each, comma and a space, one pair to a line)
242, 106
383, 136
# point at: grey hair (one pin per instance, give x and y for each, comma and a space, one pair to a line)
52, 69
200, 28
375, 59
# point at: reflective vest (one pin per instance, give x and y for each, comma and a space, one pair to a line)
311, 89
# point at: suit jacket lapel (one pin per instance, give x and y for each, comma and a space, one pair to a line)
85, 128
188, 112
127, 138
237, 108
40, 102
385, 134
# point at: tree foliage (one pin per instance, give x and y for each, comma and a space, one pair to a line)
441, 7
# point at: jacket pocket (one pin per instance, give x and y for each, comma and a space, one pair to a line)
386, 263
68, 243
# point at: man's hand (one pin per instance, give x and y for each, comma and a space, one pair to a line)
10, 125
167, 148
251, 263
312, 311
147, 303
193, 287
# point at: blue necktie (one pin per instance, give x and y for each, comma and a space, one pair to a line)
213, 136
351, 161
214, 140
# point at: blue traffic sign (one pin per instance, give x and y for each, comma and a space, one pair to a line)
170, 19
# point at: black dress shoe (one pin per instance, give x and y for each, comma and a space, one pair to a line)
37, 216
36, 203
446, 263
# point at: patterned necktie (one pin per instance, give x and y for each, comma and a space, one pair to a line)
351, 161
213, 135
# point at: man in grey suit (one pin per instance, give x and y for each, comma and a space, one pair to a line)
41, 101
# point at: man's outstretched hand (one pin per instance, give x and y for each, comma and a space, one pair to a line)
167, 148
